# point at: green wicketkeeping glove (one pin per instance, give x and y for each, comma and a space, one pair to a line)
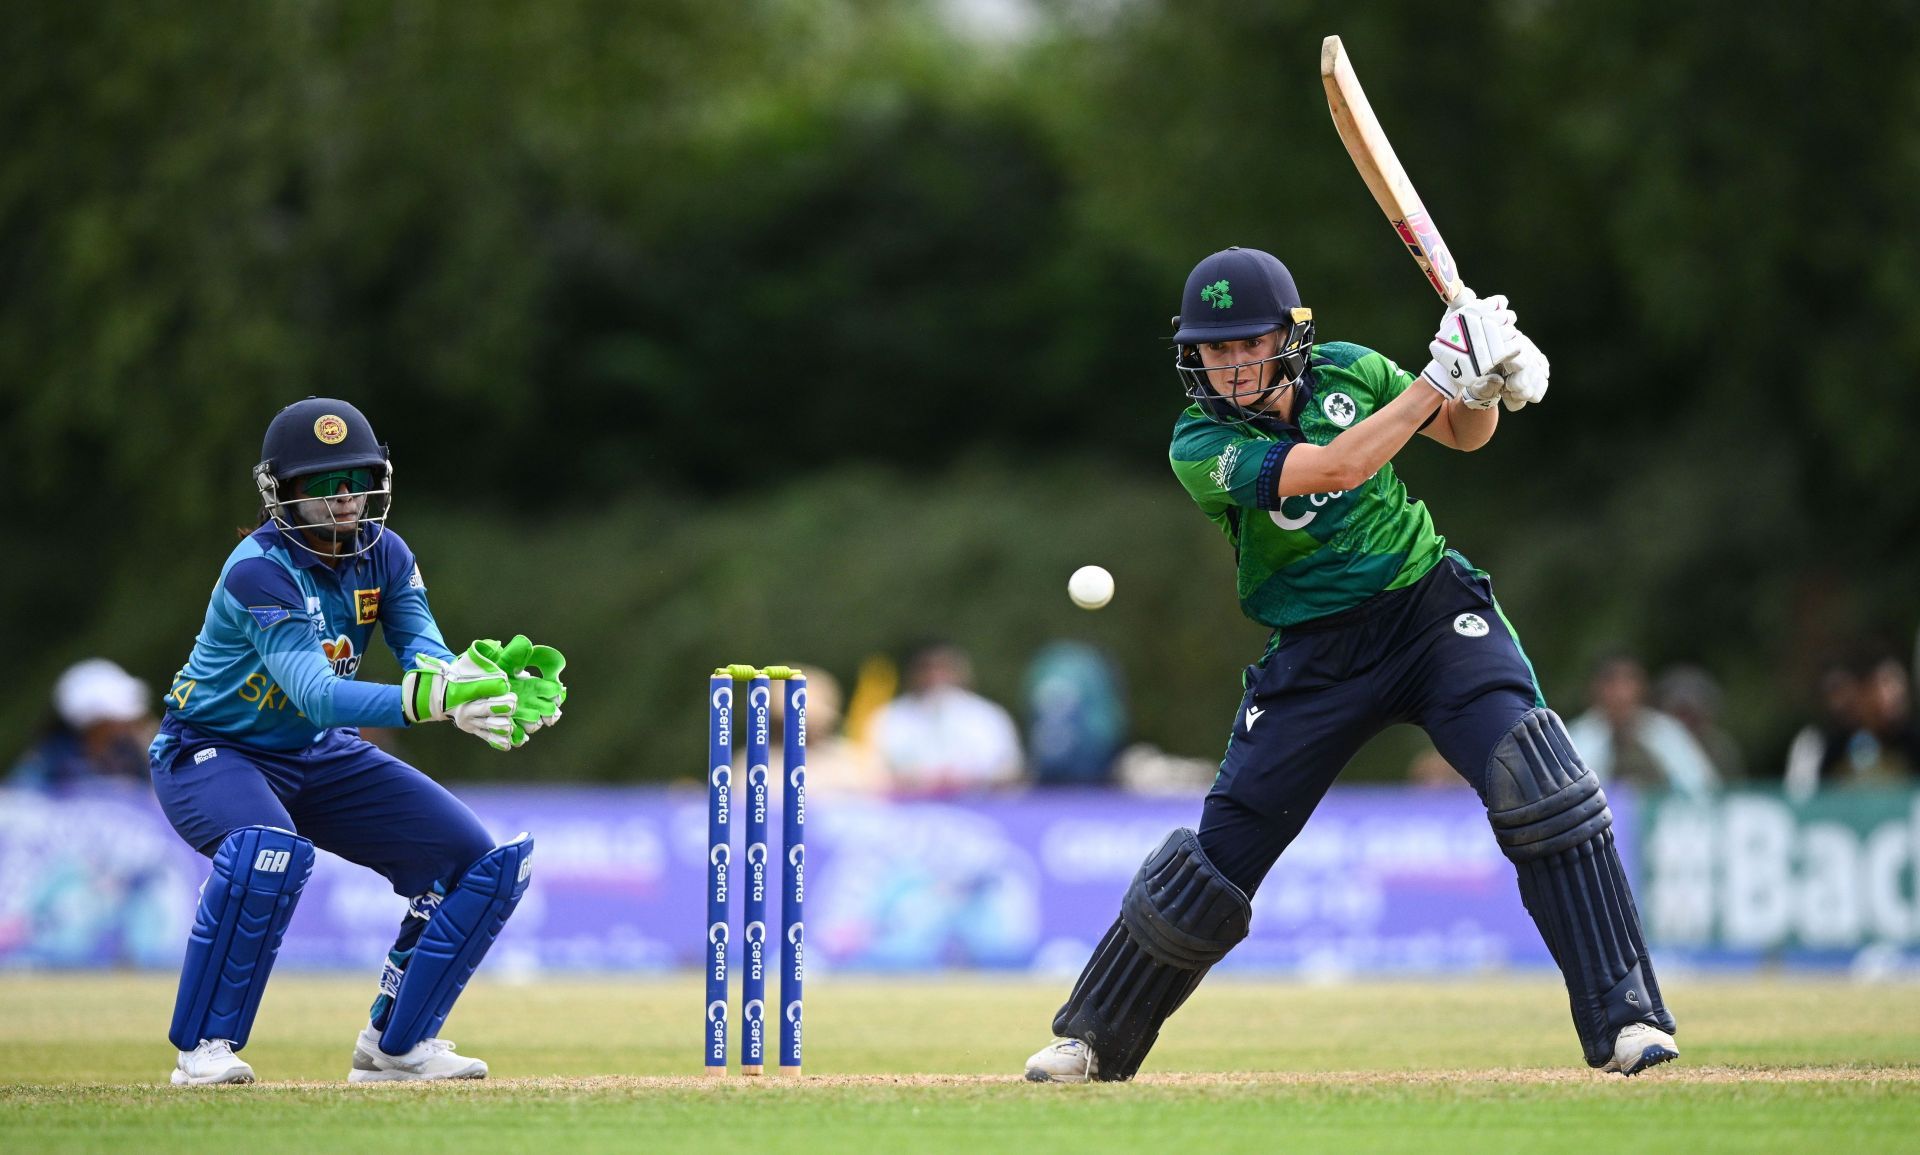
472, 691
535, 671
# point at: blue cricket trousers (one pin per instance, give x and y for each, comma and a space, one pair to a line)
344, 793
1437, 653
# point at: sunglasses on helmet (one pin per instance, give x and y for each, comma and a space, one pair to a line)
328, 484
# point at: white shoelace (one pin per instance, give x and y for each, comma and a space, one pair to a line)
1069, 1046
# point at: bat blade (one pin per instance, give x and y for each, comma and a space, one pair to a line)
1373, 155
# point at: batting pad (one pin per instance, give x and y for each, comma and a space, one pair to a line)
245, 906
1551, 818
455, 940
1178, 918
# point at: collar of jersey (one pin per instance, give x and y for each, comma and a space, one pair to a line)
273, 536
1275, 425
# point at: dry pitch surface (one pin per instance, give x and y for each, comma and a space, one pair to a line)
1480, 1066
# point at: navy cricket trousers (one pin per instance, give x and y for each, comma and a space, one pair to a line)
1437, 653
344, 793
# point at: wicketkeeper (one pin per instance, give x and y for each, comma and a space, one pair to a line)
259, 758
1288, 448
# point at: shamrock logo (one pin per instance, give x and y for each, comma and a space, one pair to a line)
1219, 295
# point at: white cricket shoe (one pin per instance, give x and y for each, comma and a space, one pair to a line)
429, 1059
1063, 1061
1639, 1046
213, 1061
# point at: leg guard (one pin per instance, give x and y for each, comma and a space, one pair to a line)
454, 941
258, 873
1179, 917
1551, 819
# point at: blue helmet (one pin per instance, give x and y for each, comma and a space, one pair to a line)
1233, 295
325, 444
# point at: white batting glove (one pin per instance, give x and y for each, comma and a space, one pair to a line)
471, 691
1526, 374
1474, 337
1484, 393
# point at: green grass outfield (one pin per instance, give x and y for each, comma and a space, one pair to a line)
1483, 1066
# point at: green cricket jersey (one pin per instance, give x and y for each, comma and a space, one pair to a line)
1306, 557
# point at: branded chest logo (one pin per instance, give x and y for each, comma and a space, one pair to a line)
339, 651
1339, 409
1314, 500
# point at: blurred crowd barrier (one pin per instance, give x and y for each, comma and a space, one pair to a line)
1385, 880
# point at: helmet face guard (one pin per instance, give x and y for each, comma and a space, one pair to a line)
1290, 365
301, 517
1234, 295
313, 451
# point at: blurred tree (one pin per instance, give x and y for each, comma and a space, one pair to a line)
666, 278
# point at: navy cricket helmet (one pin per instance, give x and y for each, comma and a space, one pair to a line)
1233, 295
324, 474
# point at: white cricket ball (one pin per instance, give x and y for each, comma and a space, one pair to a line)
1090, 587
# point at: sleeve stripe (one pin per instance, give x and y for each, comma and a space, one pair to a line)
1267, 495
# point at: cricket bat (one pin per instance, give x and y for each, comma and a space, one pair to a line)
1367, 143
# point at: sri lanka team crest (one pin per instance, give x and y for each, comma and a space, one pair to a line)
339, 651
366, 607
331, 429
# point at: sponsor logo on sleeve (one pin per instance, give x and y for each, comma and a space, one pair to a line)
269, 616
1222, 475
366, 607
416, 582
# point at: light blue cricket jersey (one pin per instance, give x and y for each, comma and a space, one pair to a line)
273, 666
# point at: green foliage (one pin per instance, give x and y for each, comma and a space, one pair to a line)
822, 573
715, 268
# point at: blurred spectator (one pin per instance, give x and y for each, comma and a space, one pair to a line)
1623, 739
941, 736
1889, 718
1865, 736
1820, 748
875, 686
100, 728
1144, 768
1690, 695
1076, 716
835, 764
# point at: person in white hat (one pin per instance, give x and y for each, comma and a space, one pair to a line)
99, 730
